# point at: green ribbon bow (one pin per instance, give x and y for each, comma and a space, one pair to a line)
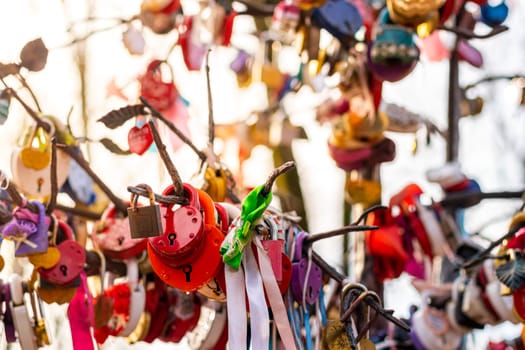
253, 207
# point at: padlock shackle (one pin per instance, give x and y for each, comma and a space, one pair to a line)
189, 193
207, 207
135, 197
154, 72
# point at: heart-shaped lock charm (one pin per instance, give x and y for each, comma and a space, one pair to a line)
184, 228
71, 262
28, 230
52, 293
140, 139
161, 94
113, 236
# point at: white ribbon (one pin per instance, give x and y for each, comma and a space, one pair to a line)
259, 317
274, 297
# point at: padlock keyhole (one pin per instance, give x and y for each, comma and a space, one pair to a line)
187, 271
310, 291
63, 269
120, 240
171, 238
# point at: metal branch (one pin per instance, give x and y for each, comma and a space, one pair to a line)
54, 182
336, 275
273, 176
472, 198
340, 231
159, 197
468, 34
493, 78
155, 113
367, 211
174, 174
211, 122
478, 258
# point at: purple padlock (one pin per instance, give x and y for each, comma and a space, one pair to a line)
313, 282
29, 230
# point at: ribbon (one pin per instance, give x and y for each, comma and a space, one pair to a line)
274, 297
253, 208
81, 316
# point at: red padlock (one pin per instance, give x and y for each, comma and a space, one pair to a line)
183, 232
72, 259
157, 305
197, 259
161, 94
113, 236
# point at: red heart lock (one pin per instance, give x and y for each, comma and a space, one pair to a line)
187, 255
140, 139
113, 237
159, 93
72, 259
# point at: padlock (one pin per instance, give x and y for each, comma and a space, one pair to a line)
265, 67
34, 182
28, 230
305, 288
494, 15
113, 237
194, 258
211, 327
160, 93
37, 151
215, 183
340, 18
72, 259
24, 330
144, 221
183, 228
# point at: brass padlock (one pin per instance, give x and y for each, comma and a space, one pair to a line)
144, 221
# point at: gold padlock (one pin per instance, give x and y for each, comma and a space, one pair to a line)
144, 221
36, 153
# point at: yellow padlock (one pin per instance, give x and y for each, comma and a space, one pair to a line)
36, 153
215, 184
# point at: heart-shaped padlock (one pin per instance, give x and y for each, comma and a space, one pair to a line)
29, 230
161, 94
35, 182
196, 259
305, 288
72, 259
183, 229
113, 236
140, 139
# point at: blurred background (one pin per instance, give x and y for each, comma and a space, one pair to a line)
492, 147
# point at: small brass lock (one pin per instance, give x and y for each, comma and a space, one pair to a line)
144, 221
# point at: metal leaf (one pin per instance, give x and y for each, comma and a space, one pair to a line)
512, 273
5, 99
8, 69
34, 55
117, 117
114, 148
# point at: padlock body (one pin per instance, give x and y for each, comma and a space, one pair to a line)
145, 221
